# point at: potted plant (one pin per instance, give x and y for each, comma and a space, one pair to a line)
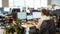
15, 27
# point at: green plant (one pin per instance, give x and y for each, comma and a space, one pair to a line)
17, 26
14, 27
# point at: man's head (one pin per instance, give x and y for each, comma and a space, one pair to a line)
53, 5
44, 12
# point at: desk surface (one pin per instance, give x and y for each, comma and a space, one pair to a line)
28, 25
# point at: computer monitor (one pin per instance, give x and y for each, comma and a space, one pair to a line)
35, 11
36, 14
6, 9
1, 9
29, 17
56, 12
16, 10
21, 15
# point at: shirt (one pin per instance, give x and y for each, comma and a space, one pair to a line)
41, 20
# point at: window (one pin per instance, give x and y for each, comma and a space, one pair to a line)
0, 3
10, 3
28, 3
57, 2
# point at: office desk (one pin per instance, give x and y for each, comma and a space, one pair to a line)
27, 26
2, 31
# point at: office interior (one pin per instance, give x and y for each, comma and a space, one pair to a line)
19, 16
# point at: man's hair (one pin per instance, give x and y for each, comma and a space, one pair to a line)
44, 11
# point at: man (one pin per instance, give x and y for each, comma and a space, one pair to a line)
45, 25
54, 7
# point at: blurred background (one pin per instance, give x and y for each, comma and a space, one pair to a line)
16, 15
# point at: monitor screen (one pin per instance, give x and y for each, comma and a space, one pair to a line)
21, 15
6, 9
29, 17
36, 14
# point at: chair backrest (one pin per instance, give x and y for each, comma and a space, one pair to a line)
48, 27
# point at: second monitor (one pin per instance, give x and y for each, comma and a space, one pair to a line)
21, 15
36, 14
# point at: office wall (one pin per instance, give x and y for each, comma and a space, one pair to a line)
5, 3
